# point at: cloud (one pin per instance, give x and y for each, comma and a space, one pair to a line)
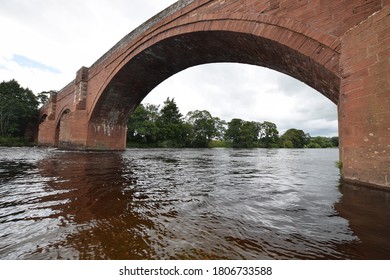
30, 63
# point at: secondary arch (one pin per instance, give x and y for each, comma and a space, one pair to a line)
60, 125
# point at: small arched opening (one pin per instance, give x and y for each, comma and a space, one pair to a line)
59, 126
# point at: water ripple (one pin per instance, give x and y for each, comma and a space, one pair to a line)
186, 204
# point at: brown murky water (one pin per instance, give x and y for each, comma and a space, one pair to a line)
186, 204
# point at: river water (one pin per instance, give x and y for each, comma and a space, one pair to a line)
186, 204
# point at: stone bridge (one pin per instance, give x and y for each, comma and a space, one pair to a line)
340, 48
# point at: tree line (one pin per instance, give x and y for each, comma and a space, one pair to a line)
152, 126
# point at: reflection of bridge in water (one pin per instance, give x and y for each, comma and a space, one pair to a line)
341, 49
361, 206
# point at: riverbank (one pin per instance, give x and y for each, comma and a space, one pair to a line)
15, 142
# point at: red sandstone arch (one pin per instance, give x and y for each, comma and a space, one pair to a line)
340, 48
60, 125
307, 55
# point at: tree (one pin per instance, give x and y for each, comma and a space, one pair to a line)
18, 109
233, 131
221, 127
173, 132
242, 134
320, 142
269, 135
248, 135
203, 127
44, 96
294, 138
142, 127
335, 141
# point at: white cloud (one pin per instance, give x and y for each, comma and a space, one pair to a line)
69, 34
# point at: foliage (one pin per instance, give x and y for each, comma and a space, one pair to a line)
150, 126
44, 97
171, 125
142, 127
269, 135
203, 126
340, 166
233, 131
335, 141
219, 144
243, 134
320, 142
18, 109
294, 138
7, 141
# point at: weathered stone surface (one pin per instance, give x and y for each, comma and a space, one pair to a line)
340, 48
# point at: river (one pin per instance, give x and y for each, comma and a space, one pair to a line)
186, 204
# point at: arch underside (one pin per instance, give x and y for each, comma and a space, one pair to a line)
142, 73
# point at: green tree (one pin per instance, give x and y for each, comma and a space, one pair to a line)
142, 127
294, 138
233, 131
335, 141
242, 134
204, 128
269, 135
220, 126
18, 109
173, 131
320, 142
44, 96
248, 135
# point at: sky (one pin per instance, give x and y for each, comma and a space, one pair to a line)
43, 43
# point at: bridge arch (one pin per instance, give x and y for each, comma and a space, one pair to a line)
308, 55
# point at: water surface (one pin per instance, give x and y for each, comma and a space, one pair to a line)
186, 204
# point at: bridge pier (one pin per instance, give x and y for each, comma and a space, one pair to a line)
106, 137
364, 103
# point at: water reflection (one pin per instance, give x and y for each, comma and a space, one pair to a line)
98, 208
368, 214
186, 204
